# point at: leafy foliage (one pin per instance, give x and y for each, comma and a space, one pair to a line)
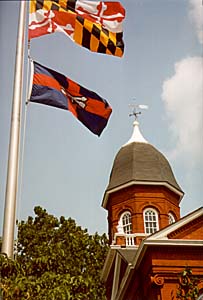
56, 259
188, 287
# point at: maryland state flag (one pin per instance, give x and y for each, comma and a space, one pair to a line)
52, 88
95, 25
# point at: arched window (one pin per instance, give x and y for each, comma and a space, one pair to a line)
171, 218
125, 223
151, 223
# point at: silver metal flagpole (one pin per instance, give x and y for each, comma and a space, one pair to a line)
13, 156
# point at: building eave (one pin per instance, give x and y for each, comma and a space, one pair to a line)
108, 264
110, 259
141, 252
135, 182
162, 234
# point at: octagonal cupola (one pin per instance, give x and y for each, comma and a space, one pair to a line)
141, 186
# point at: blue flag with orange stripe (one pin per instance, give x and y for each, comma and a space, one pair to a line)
52, 88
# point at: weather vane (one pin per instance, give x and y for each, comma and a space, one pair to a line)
135, 109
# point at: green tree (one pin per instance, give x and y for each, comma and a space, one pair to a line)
56, 259
188, 286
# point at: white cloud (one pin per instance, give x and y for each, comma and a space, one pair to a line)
196, 15
183, 99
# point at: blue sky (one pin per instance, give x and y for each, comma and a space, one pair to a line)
66, 168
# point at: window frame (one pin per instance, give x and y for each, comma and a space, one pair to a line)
171, 218
125, 227
150, 229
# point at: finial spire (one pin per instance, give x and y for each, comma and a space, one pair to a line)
136, 136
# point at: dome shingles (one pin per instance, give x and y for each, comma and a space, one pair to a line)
141, 162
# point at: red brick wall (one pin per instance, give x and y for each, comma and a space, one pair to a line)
159, 272
135, 199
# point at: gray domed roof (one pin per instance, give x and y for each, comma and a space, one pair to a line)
138, 162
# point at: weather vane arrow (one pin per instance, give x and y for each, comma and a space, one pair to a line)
135, 109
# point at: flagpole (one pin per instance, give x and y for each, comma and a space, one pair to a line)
13, 156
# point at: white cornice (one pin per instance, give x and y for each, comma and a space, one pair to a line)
108, 263
135, 182
140, 254
162, 234
138, 258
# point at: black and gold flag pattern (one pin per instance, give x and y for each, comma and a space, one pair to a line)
96, 26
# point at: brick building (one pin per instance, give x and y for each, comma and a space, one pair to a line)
150, 245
